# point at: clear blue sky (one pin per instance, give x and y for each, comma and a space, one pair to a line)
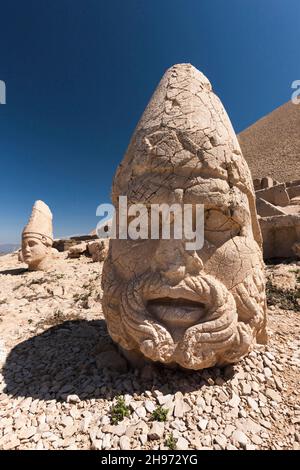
79, 74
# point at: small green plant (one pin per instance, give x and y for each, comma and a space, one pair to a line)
171, 442
160, 414
119, 411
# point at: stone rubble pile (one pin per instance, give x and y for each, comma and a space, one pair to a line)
61, 374
278, 207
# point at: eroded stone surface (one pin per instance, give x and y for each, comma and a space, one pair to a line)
37, 239
98, 250
192, 308
279, 209
281, 235
51, 341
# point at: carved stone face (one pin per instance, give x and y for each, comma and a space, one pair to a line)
35, 253
172, 305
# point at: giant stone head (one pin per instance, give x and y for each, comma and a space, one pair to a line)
193, 308
37, 238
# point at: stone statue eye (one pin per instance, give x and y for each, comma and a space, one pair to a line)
216, 220
219, 227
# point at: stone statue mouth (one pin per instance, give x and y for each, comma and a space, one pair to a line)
177, 312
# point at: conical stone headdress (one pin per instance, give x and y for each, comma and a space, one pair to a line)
40, 223
183, 135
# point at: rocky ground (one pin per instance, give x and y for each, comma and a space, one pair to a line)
58, 390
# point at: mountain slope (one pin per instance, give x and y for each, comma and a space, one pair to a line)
271, 146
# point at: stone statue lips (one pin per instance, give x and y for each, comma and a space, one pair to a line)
177, 307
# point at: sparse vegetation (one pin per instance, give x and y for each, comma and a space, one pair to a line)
119, 411
57, 318
285, 299
82, 299
58, 275
160, 414
171, 442
297, 272
41, 280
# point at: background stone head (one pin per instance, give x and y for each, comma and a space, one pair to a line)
37, 238
192, 308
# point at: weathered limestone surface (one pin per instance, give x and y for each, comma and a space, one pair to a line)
296, 202
267, 182
264, 183
167, 304
98, 250
64, 244
266, 209
281, 235
257, 184
293, 191
37, 239
59, 364
77, 250
276, 195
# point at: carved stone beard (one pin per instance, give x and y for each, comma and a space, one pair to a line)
224, 333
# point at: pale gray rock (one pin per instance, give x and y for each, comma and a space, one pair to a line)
273, 395
252, 403
234, 401
221, 440
125, 443
178, 408
202, 424
149, 405
182, 444
73, 399
156, 431
240, 437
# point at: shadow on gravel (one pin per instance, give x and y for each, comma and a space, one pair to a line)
63, 360
14, 272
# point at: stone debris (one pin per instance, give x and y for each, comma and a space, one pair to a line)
78, 250
156, 431
54, 395
278, 205
98, 250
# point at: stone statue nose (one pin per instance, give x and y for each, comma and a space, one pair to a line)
174, 262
